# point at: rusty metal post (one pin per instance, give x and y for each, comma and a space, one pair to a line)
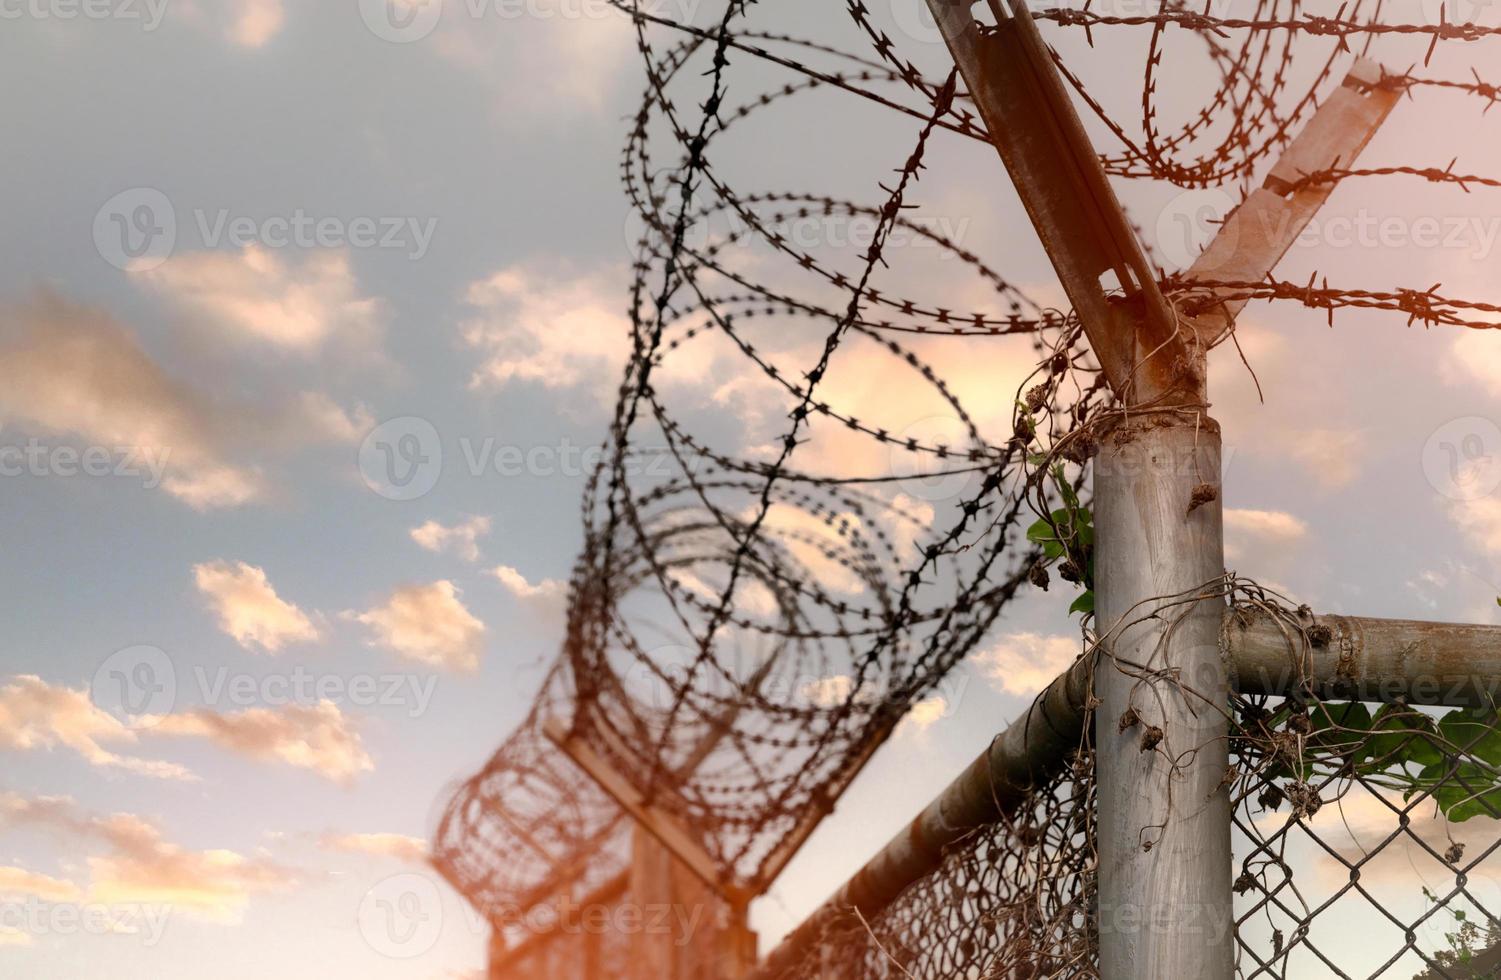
1161, 729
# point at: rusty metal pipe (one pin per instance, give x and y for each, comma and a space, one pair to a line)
1354, 658
1026, 755
1358, 658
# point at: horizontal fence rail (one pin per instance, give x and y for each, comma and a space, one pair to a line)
1269, 652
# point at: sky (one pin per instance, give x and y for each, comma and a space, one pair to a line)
309, 324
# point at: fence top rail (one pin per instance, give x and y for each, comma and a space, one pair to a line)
1269, 650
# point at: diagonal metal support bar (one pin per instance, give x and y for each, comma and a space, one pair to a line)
1258, 233
660, 823
1010, 75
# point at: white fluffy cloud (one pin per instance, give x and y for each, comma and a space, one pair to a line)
923, 716
1475, 356
327, 420
462, 538
318, 737
68, 370
248, 607
519, 586
261, 295
1248, 531
427, 624
1026, 663
398, 846
556, 332
139, 866
38, 715
18, 881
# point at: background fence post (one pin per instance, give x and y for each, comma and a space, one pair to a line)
1161, 730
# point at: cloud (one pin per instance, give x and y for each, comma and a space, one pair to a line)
1026, 663
1332, 457
256, 22
326, 419
1250, 530
828, 692
258, 294
428, 624
398, 846
1479, 520
1474, 356
923, 716
1280, 429
560, 333
18, 881
140, 867
249, 608
72, 370
517, 584
568, 332
1356, 828
317, 737
909, 521
37, 715
564, 55
462, 538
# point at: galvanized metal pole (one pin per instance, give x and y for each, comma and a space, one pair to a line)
1161, 728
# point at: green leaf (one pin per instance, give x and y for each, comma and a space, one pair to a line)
1083, 604
1473, 732
1340, 727
1402, 735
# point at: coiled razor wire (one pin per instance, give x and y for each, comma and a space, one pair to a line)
746, 625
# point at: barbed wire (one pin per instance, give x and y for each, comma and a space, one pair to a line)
750, 618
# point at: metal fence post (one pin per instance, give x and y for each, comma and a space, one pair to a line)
1161, 729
